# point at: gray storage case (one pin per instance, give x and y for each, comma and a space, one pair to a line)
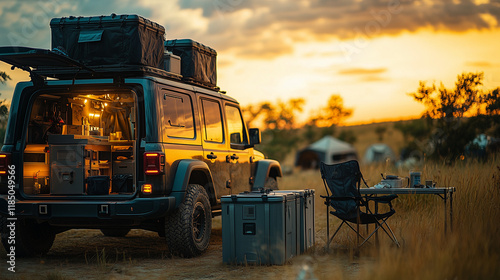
259, 228
305, 218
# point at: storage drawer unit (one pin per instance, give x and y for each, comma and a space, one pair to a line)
68, 169
259, 228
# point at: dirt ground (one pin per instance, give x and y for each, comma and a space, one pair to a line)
88, 254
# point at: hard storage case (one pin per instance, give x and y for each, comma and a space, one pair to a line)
305, 218
109, 40
258, 228
198, 62
98, 185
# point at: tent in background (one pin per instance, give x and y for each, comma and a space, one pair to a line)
328, 150
379, 153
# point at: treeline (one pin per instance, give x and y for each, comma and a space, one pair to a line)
453, 118
281, 133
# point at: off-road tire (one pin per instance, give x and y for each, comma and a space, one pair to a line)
115, 232
188, 228
32, 239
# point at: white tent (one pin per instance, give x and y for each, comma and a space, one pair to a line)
379, 153
328, 150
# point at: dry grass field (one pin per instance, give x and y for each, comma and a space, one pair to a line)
470, 251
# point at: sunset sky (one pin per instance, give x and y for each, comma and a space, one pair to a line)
372, 53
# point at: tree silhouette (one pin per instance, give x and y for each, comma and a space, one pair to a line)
332, 114
445, 112
4, 111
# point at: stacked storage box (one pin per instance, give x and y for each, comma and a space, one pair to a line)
267, 228
305, 218
259, 228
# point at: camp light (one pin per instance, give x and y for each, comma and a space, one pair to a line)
154, 163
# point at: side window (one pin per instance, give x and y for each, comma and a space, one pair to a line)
213, 121
236, 128
178, 115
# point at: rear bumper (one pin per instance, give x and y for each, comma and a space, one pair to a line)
71, 212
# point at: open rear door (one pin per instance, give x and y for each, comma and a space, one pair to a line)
29, 59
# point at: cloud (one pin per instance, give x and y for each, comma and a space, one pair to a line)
257, 28
480, 64
362, 71
365, 74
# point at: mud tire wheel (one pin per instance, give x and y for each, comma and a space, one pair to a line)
188, 228
115, 232
31, 239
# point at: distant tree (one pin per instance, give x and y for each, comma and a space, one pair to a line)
347, 136
332, 114
251, 113
4, 111
445, 109
279, 120
380, 131
418, 129
492, 101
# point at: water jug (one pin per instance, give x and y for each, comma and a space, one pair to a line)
415, 179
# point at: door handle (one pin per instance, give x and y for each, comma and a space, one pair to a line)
211, 156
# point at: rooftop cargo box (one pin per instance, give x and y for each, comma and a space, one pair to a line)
198, 62
109, 40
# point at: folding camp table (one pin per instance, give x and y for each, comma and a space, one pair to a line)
444, 193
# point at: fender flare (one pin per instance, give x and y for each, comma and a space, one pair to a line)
182, 178
264, 168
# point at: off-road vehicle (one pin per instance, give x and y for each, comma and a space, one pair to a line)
119, 129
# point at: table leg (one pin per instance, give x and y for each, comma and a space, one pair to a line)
451, 211
445, 198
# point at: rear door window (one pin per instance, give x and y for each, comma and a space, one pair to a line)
178, 115
213, 121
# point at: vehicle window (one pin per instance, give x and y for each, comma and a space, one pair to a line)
213, 121
178, 115
235, 126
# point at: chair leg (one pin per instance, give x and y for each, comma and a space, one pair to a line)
394, 239
358, 234
327, 228
331, 238
379, 225
392, 236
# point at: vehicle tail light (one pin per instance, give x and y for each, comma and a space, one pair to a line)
4, 163
154, 163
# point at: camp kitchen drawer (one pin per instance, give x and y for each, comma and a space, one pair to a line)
259, 228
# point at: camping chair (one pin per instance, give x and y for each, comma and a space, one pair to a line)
342, 182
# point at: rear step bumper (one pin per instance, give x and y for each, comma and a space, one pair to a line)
136, 209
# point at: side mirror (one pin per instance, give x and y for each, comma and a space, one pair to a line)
254, 136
